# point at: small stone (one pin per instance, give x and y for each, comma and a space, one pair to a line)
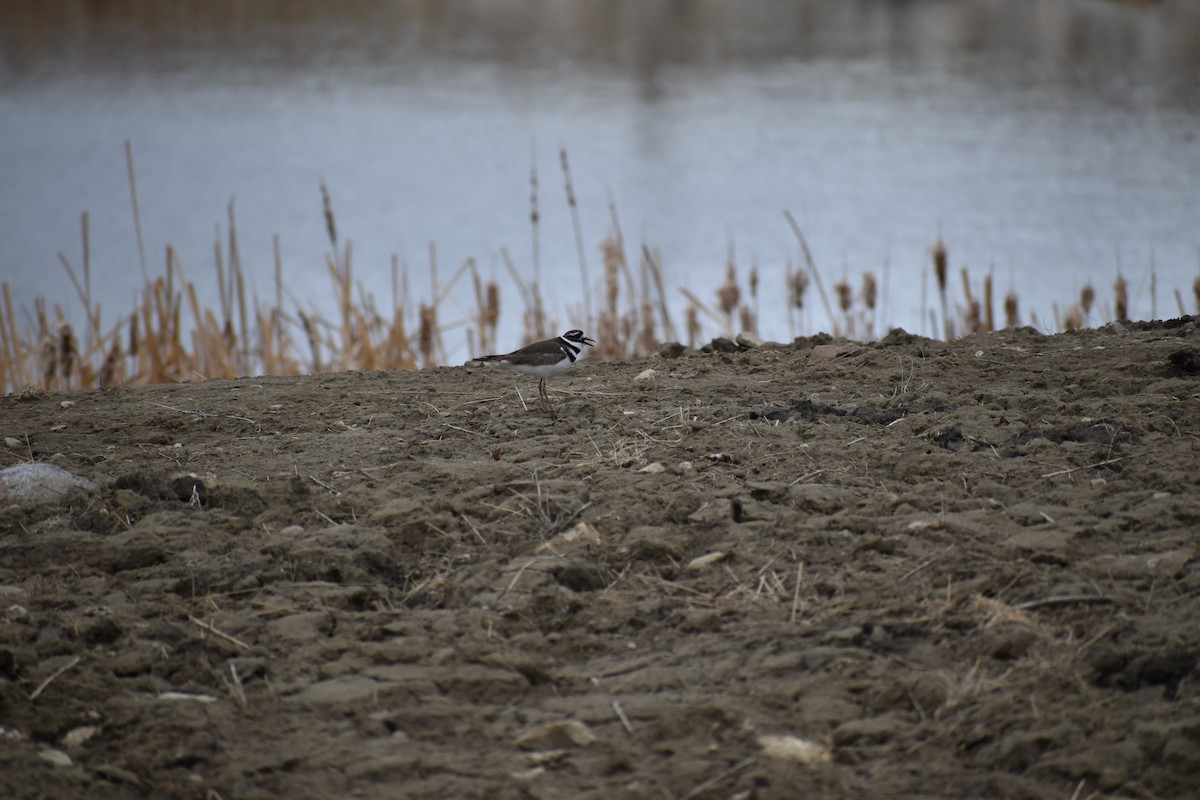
54, 756
653, 469
11, 442
794, 748
77, 736
706, 560
557, 735
645, 375
292, 530
748, 340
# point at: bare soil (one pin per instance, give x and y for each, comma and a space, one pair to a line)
962, 569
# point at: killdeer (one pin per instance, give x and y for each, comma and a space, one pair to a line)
543, 359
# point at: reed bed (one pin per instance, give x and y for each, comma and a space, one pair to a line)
171, 334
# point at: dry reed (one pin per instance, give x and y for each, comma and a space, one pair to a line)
156, 342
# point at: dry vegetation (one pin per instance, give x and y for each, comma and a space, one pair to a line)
173, 335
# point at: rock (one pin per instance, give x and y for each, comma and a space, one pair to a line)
722, 345
39, 484
748, 340
668, 350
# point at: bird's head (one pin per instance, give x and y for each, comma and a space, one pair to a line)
578, 337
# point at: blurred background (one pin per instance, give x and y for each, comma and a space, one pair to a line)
1049, 143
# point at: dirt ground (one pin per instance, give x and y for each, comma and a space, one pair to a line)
918, 569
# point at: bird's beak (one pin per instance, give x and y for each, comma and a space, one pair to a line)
588, 342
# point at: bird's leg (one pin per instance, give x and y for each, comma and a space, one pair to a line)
546, 398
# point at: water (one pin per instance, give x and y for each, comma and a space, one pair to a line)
1051, 144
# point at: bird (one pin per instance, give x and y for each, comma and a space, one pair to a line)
545, 358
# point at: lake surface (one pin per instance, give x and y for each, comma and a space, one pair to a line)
1051, 143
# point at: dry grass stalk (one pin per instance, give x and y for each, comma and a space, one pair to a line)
535, 219
989, 315
137, 217
241, 337
1073, 319
1196, 292
585, 281
652, 269
535, 322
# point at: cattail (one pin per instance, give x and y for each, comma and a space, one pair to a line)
754, 283
693, 325
612, 270
1086, 297
108, 370
799, 285
68, 349
749, 322
1012, 315
974, 316
647, 340
133, 336
427, 332
1196, 291
729, 295
1122, 298
939, 264
1073, 319
330, 223
845, 295
48, 360
869, 290
940, 261
314, 341
491, 308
